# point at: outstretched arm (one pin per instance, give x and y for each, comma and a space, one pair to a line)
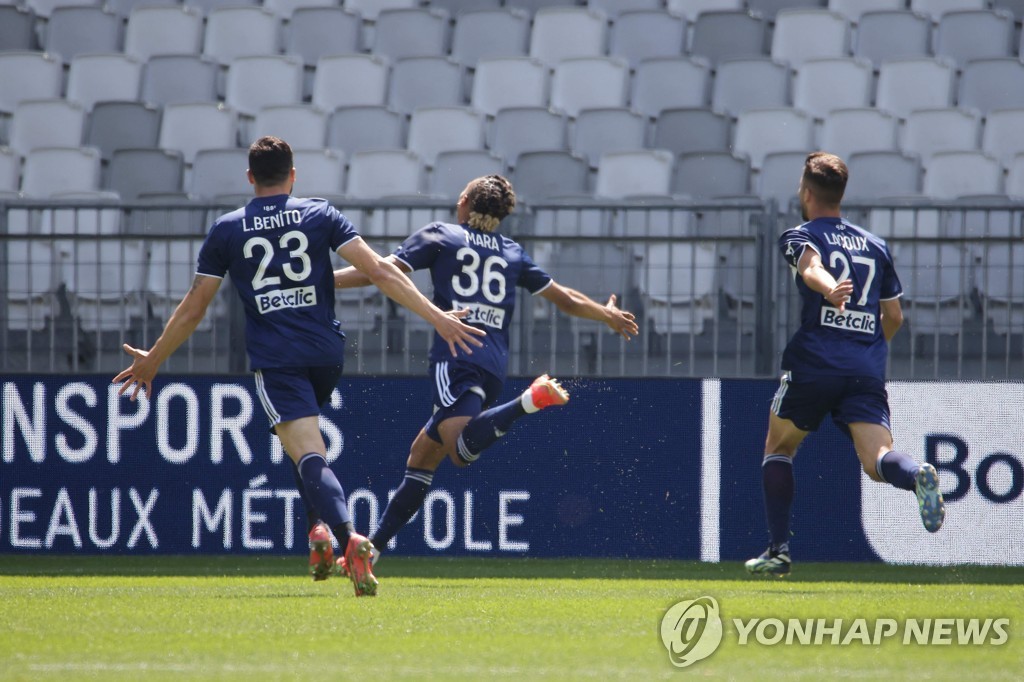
387, 277
572, 302
350, 277
179, 327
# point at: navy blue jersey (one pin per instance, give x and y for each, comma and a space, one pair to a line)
278, 252
475, 271
828, 342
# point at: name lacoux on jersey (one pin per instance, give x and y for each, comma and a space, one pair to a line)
828, 342
277, 251
475, 271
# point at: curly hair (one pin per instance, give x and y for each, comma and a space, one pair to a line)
490, 199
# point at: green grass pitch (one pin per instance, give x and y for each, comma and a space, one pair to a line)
246, 618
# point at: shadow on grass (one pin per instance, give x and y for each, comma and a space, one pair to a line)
522, 568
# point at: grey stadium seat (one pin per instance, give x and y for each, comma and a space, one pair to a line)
709, 175
602, 130
543, 175
692, 130
72, 31
722, 35
515, 130
425, 82
892, 34
135, 172
492, 32
356, 129
115, 125
179, 79
883, 174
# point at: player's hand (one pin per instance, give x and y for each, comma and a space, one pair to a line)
622, 322
139, 373
457, 333
840, 294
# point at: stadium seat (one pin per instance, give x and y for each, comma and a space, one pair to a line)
502, 82
1003, 134
72, 31
710, 175
853, 10
927, 131
17, 29
737, 278
349, 80
974, 34
1001, 288
936, 280
371, 9
614, 9
233, 32
1015, 177
207, 6
626, 173
1016, 7
729, 34
46, 123
750, 83
576, 262
560, 33
315, 32
487, 33
118, 125
44, 8
588, 83
10, 170
954, 174
303, 126
691, 9
453, 169
437, 129
848, 131
318, 172
386, 172
888, 35
31, 282
651, 216
690, 81
908, 84
246, 89
425, 82
770, 9
988, 84
803, 34
28, 75
762, 131
285, 9
136, 172
883, 174
779, 177
515, 130
163, 30
418, 32
692, 130
598, 131
170, 270
95, 78
363, 128
179, 79
188, 128
465, 6
937, 8
647, 34
677, 281
219, 172
823, 85
51, 170
543, 175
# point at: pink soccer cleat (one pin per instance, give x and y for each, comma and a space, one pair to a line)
321, 552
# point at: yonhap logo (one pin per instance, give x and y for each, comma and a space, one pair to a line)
691, 631
299, 297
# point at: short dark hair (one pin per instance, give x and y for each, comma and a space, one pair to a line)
270, 160
490, 199
826, 175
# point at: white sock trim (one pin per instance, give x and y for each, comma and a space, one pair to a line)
527, 401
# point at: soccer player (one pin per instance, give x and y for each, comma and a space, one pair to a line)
277, 251
476, 269
835, 362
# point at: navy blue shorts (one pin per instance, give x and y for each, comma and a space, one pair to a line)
289, 393
806, 401
460, 389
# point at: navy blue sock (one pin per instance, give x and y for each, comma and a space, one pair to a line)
406, 502
312, 515
325, 490
777, 478
484, 429
898, 469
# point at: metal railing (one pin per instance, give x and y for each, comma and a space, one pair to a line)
707, 284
